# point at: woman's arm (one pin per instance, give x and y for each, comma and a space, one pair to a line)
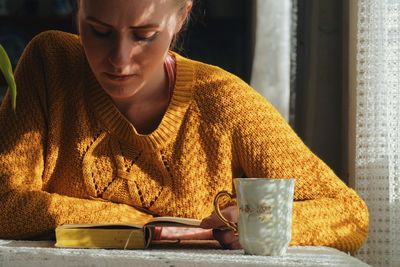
27, 210
326, 211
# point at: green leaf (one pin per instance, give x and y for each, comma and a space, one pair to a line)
6, 69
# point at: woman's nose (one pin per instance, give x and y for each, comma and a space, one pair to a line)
121, 52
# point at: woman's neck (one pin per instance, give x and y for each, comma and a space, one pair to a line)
146, 108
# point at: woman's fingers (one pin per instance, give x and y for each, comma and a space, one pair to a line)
214, 225
212, 221
227, 239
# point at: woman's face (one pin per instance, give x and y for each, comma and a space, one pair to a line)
126, 41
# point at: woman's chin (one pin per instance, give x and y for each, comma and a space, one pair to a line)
120, 93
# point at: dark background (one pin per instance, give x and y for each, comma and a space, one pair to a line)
219, 32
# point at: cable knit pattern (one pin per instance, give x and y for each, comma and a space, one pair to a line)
69, 156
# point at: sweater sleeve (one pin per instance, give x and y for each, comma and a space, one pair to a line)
326, 212
26, 209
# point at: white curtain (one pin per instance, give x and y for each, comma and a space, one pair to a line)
271, 63
377, 157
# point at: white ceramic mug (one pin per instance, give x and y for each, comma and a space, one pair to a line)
265, 214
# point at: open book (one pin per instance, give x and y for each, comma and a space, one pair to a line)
120, 236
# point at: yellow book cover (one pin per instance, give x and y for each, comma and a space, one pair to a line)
119, 236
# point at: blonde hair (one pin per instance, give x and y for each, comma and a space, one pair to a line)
183, 2
177, 43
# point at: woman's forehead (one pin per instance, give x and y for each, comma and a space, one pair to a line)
127, 4
132, 12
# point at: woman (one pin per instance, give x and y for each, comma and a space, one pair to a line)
111, 126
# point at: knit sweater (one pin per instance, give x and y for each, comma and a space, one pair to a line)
67, 155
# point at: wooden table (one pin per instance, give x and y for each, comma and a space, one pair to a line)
43, 254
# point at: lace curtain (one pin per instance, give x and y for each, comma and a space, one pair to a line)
377, 170
272, 56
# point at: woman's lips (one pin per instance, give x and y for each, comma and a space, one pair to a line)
118, 77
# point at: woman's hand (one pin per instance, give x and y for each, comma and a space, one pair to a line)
226, 238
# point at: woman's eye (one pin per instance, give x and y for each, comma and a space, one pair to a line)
100, 32
149, 36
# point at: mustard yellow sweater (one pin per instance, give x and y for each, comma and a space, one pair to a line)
67, 155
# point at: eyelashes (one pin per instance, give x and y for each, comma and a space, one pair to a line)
140, 37
146, 37
99, 33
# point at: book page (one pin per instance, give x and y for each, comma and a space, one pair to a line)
174, 221
104, 225
161, 221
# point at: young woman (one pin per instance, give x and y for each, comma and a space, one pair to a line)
112, 126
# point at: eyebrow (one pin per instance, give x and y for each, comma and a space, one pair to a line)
145, 26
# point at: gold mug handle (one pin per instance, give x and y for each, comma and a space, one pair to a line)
228, 223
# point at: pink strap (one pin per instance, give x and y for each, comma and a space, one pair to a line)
170, 69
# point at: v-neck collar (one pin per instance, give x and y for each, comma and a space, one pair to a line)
116, 124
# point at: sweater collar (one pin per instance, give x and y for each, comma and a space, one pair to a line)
116, 124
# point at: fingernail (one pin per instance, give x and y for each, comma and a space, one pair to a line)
205, 223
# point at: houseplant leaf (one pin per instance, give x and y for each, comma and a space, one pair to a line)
6, 69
